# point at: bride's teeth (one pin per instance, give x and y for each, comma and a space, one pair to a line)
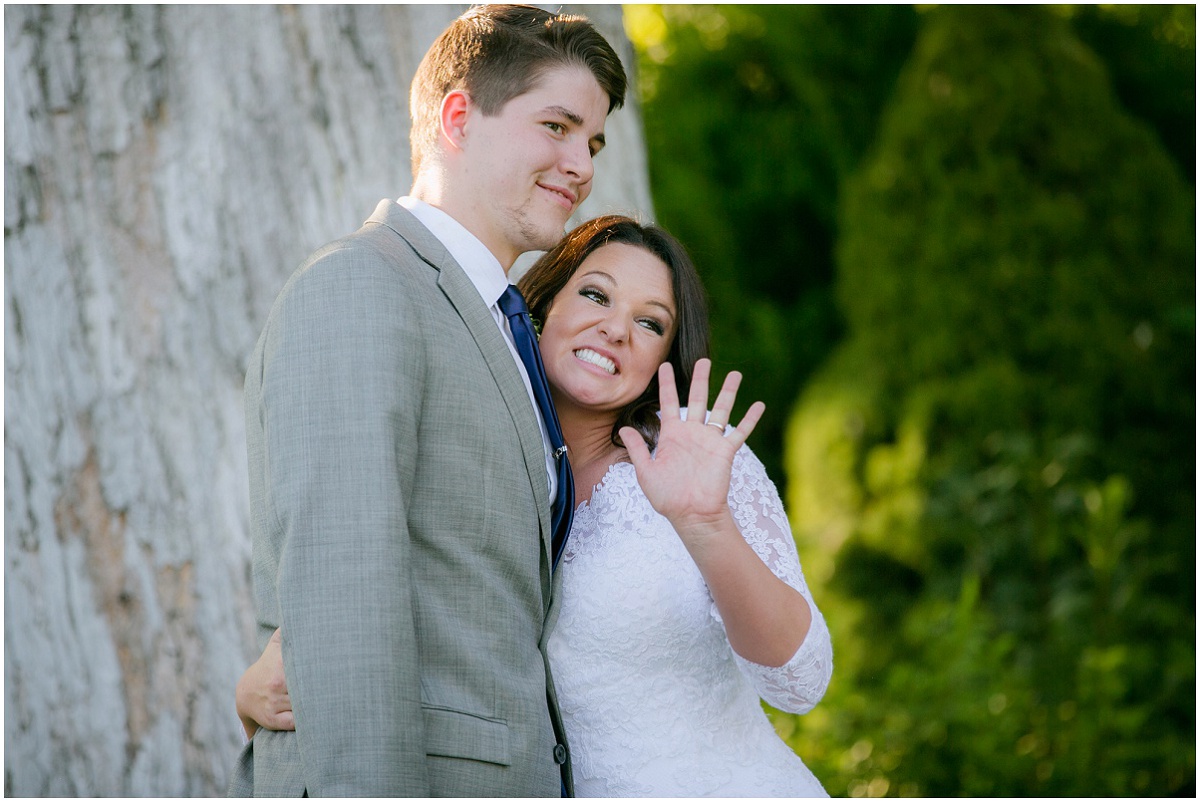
591, 357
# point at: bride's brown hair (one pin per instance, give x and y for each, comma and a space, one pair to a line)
547, 277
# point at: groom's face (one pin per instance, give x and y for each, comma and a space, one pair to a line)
531, 163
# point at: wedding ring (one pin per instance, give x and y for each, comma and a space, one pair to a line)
718, 425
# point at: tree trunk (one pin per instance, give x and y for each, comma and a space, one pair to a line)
166, 168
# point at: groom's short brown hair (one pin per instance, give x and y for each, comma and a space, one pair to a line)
497, 52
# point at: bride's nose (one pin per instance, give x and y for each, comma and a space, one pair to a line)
614, 326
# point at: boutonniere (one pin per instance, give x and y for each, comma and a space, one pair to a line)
537, 327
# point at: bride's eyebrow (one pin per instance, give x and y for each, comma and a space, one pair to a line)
666, 309
601, 273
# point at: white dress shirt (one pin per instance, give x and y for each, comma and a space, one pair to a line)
490, 280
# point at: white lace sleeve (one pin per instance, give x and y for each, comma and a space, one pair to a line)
798, 685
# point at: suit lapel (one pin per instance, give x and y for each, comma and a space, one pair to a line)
466, 301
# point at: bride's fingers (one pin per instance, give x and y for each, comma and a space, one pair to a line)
668, 396
280, 720
722, 409
737, 436
698, 392
639, 453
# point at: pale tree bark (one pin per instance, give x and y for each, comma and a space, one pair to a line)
166, 168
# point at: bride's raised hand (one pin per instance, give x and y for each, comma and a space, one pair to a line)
687, 478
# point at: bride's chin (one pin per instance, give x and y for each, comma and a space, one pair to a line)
586, 403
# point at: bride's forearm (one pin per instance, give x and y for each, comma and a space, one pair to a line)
766, 620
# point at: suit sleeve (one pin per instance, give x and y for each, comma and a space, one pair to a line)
342, 373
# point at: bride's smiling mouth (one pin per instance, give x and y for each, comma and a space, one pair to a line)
593, 358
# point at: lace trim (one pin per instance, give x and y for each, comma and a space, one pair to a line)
796, 686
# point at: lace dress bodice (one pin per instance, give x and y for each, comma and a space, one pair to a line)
654, 699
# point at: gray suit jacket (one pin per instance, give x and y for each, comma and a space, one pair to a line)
401, 528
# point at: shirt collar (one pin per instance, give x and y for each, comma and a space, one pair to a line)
480, 265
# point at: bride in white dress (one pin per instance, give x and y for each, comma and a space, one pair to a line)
683, 601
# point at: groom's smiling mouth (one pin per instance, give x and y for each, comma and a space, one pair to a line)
565, 196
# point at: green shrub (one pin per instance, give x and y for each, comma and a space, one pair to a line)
999, 458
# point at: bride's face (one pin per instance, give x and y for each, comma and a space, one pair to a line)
609, 329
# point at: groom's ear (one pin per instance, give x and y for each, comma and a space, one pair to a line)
456, 107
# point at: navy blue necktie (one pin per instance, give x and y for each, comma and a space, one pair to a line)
512, 304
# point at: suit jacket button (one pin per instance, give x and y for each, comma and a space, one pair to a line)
560, 754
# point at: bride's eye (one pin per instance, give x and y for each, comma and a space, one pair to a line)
593, 294
652, 325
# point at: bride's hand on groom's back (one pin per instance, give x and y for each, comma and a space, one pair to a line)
262, 694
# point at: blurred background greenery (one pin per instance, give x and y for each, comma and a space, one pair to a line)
953, 249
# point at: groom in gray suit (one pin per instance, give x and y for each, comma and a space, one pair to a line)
400, 478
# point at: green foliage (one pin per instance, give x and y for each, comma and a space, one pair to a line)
1035, 674
1151, 54
1023, 252
993, 457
